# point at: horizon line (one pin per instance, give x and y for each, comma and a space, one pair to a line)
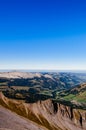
46, 70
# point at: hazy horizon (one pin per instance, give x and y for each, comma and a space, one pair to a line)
34, 70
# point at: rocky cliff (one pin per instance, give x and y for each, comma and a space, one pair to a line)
48, 114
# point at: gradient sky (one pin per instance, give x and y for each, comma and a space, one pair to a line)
43, 34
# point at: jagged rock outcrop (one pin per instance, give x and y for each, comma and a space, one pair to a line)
49, 114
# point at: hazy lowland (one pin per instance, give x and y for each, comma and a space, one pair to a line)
42, 101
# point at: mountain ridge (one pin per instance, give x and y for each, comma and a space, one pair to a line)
51, 115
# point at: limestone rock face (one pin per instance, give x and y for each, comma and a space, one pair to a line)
47, 115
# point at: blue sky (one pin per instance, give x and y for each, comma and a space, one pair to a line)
43, 34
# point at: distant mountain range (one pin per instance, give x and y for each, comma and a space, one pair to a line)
67, 79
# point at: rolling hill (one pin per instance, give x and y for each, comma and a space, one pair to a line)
34, 86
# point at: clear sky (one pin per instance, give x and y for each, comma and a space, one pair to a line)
43, 34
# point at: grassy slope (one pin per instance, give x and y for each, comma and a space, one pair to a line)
78, 94
79, 97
